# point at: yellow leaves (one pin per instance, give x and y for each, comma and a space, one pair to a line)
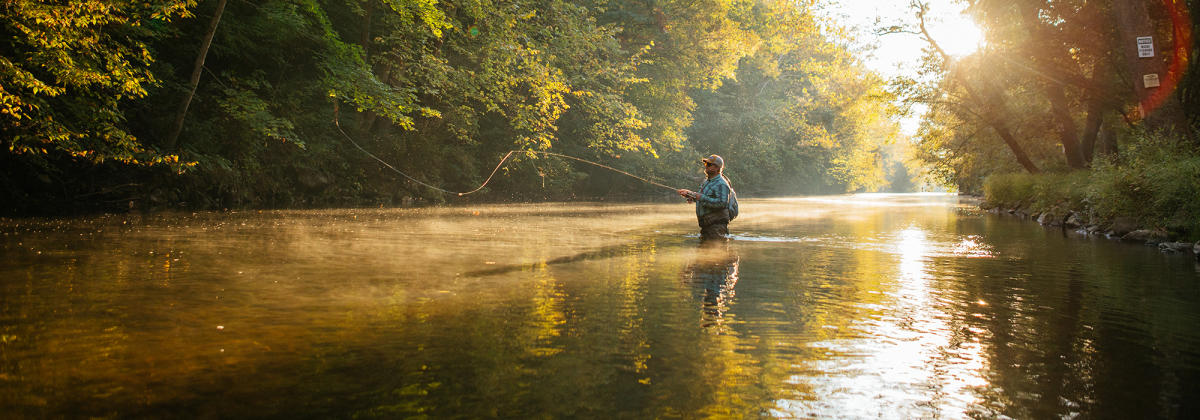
75, 47
430, 112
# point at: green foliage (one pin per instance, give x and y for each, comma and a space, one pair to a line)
68, 67
1157, 181
441, 90
800, 117
1040, 192
1008, 189
1067, 190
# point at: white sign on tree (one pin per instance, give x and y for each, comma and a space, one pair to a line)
1145, 45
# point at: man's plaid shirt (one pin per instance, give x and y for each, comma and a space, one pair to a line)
714, 195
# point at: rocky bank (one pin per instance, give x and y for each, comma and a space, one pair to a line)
1120, 228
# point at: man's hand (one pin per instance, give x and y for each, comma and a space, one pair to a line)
690, 195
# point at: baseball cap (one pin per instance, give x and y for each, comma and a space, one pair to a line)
714, 159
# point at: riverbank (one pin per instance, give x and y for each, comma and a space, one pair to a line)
1154, 207
1121, 228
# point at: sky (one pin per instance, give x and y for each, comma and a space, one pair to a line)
898, 54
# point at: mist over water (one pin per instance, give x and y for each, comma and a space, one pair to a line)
860, 306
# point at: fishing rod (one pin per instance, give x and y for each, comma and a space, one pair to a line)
337, 122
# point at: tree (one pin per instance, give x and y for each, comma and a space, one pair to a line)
1064, 48
801, 115
982, 101
1160, 106
68, 69
440, 90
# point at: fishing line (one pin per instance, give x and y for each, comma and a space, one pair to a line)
337, 122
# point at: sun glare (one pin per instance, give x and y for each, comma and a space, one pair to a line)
958, 35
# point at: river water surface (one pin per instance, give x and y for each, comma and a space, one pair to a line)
864, 306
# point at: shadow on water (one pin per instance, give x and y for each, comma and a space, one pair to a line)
607, 252
707, 250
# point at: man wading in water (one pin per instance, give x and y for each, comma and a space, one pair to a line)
716, 203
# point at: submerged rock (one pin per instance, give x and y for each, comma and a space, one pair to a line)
1145, 235
1175, 246
1122, 226
1052, 218
1073, 220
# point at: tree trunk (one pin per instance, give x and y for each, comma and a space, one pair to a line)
1011, 142
992, 120
1061, 111
172, 140
1093, 142
1060, 108
1159, 107
1091, 129
1098, 104
365, 38
1001, 128
1106, 143
368, 118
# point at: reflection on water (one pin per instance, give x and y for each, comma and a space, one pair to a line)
860, 306
715, 272
908, 343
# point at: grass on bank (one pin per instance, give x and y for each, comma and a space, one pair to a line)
1155, 181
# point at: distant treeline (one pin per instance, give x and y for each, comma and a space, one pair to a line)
108, 105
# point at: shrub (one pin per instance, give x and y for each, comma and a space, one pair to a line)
1157, 182
1008, 189
1040, 192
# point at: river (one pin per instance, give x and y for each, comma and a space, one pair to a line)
856, 306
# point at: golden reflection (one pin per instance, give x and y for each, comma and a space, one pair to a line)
934, 351
972, 246
908, 355
716, 270
547, 317
913, 249
727, 367
632, 319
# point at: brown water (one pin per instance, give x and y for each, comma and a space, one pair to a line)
867, 306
